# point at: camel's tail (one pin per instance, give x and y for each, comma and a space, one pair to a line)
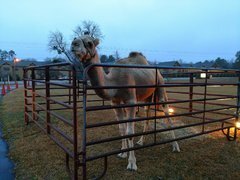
161, 96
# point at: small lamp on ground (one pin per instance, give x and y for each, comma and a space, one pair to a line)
170, 110
237, 124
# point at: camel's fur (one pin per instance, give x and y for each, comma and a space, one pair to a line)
85, 49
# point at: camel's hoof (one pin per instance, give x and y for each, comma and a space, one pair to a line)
132, 167
140, 142
122, 155
176, 148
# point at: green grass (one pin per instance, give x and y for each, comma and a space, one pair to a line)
37, 157
34, 154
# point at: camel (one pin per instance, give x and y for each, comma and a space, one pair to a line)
84, 48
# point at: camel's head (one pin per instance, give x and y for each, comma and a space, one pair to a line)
84, 47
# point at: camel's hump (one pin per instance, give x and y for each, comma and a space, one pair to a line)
133, 58
134, 54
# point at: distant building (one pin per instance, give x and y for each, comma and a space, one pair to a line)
167, 66
7, 68
205, 64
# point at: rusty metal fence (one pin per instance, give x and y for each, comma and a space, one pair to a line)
64, 105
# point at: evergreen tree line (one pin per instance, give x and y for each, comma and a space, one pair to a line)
7, 55
217, 63
221, 63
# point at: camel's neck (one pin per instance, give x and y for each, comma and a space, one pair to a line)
98, 77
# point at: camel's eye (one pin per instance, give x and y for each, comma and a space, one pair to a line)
76, 44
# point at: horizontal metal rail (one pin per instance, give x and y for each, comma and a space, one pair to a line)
153, 117
153, 131
163, 85
91, 158
55, 101
208, 94
95, 108
51, 136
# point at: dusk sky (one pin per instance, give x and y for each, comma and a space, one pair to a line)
163, 30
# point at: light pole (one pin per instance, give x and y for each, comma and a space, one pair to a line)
15, 61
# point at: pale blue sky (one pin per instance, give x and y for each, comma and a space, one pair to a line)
191, 30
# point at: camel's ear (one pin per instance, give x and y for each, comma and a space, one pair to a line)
96, 41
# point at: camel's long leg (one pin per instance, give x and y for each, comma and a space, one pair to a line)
164, 98
170, 124
130, 130
146, 125
120, 114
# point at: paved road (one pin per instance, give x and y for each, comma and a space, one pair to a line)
6, 165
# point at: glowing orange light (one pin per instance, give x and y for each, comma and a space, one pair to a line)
16, 60
171, 110
238, 124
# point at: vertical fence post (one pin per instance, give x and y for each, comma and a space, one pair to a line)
26, 119
155, 105
84, 139
47, 87
238, 97
69, 90
75, 123
205, 96
238, 105
191, 93
33, 95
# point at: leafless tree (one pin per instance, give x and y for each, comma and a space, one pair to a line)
90, 28
57, 42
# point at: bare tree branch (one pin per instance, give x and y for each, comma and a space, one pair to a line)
78, 31
88, 26
57, 42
